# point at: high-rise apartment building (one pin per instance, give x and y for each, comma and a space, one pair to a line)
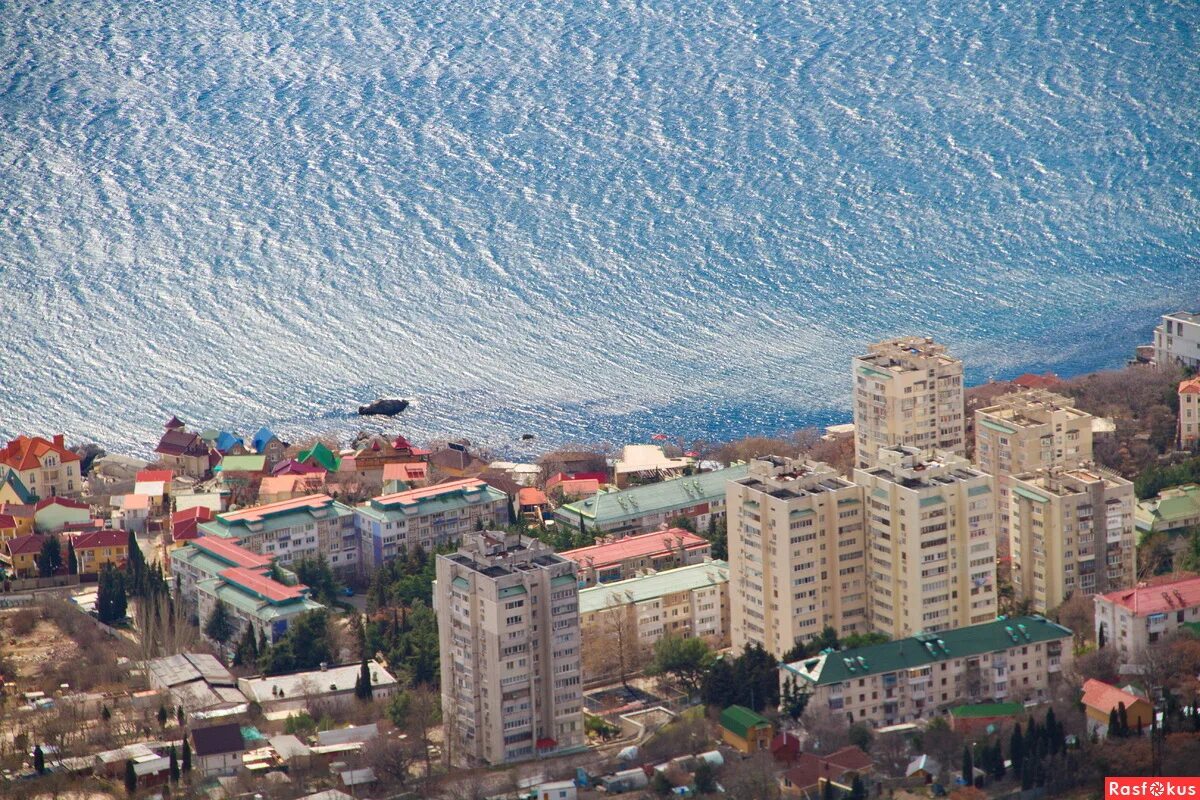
931, 530
796, 554
1071, 531
907, 391
1027, 431
508, 636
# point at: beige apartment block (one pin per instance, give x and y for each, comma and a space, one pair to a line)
508, 637
907, 391
1071, 531
796, 554
1189, 414
1027, 431
932, 533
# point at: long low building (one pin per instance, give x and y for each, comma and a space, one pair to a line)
609, 561
644, 508
1018, 659
330, 686
691, 601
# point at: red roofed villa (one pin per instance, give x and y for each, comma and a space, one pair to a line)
45, 466
1101, 699
1132, 619
610, 561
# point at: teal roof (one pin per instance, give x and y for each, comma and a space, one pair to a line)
614, 507
24, 496
648, 587
384, 509
926, 648
200, 560
243, 463
1170, 508
320, 455
739, 720
984, 710
268, 522
251, 605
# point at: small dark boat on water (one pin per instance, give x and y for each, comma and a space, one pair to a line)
383, 407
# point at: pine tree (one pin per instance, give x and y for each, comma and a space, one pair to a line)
174, 766
187, 755
220, 626
1027, 774
111, 602
39, 760
1016, 747
130, 777
49, 560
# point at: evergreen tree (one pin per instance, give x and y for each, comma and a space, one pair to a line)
105, 714
998, 768
857, 790
1016, 747
179, 716
110, 595
705, 778
1114, 724
72, 559
135, 566
1123, 718
130, 777
1027, 774
49, 560
718, 687
220, 627
39, 760
162, 716
174, 766
827, 791
968, 766
362, 687
187, 755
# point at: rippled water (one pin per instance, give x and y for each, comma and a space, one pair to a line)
582, 218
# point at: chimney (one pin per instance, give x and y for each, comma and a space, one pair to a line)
58, 440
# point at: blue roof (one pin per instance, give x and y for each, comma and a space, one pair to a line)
225, 441
262, 438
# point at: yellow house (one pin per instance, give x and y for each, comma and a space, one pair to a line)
46, 467
94, 550
745, 730
1101, 699
12, 489
22, 519
19, 555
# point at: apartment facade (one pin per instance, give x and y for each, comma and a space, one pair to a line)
931, 529
796, 554
1189, 414
1071, 531
1131, 619
1177, 340
1027, 431
45, 466
639, 509
509, 643
633, 614
907, 391
303, 527
1019, 659
618, 559
429, 517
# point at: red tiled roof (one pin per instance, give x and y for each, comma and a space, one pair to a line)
87, 541
531, 496
29, 543
309, 502
850, 758
152, 475
646, 545
415, 495
59, 501
25, 452
1158, 596
405, 471
255, 581
17, 510
1030, 381
230, 551
7, 521
185, 524
1105, 697
811, 768
181, 443
1191, 386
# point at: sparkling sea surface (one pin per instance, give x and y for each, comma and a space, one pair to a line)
584, 219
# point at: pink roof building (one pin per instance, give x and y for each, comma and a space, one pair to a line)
606, 562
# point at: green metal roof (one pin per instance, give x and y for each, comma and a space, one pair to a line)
739, 720
243, 463
1030, 495
978, 490
984, 710
996, 426
648, 587
1169, 508
614, 507
932, 501
322, 455
926, 648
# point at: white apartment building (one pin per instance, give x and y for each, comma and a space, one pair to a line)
907, 391
931, 530
1027, 431
1135, 617
1071, 531
509, 643
796, 554
1177, 340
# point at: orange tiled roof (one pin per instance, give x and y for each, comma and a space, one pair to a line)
256, 513
413, 495
1191, 386
153, 475
531, 496
25, 452
645, 545
405, 471
1104, 697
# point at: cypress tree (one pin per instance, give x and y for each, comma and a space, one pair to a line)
968, 766
130, 777
364, 681
1027, 774
998, 769
187, 754
827, 791
39, 760
1114, 724
1016, 747
72, 559
857, 790
1123, 718
174, 766
179, 716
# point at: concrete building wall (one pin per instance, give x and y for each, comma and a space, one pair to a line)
1177, 340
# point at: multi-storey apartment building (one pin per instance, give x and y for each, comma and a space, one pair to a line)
907, 391
608, 561
646, 508
796, 554
1133, 618
1189, 413
931, 533
915, 678
1027, 431
620, 622
303, 527
1177, 340
1071, 531
429, 517
508, 635
45, 467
